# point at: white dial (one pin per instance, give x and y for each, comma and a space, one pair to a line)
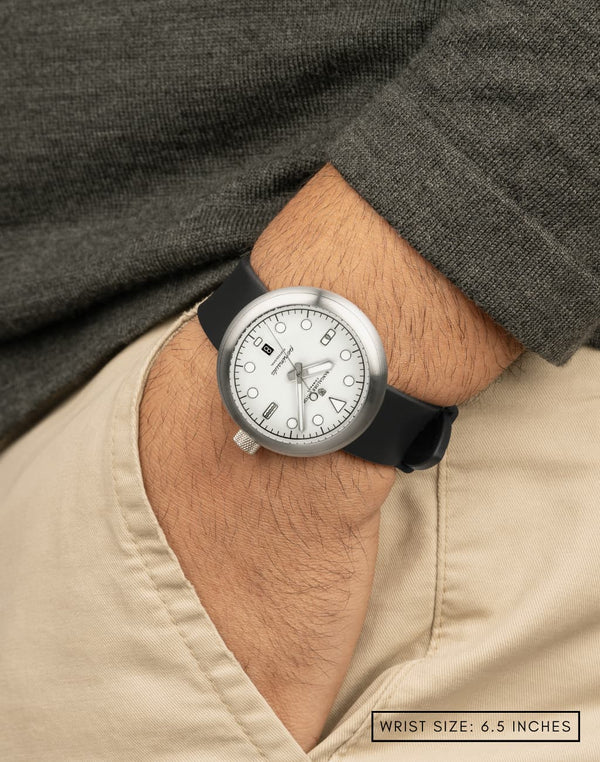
299, 372
302, 371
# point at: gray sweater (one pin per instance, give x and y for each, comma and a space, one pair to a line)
146, 145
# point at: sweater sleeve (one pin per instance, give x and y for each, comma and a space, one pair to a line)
483, 153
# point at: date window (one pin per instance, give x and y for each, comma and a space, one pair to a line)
267, 349
328, 336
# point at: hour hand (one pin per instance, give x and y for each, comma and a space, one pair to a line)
311, 370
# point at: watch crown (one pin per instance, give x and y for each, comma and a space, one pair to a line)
245, 442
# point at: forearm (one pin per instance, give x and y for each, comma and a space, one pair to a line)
281, 550
440, 346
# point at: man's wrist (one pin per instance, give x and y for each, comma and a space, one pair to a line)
441, 347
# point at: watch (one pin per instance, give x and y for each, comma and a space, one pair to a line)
303, 372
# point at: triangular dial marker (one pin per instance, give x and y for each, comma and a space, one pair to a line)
337, 404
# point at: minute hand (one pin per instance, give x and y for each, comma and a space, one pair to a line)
298, 367
311, 370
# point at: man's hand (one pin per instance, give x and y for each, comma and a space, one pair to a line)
282, 550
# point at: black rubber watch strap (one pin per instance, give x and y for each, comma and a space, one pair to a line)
406, 432
236, 291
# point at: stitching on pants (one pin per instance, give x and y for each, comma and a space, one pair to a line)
383, 694
385, 690
154, 584
167, 609
443, 506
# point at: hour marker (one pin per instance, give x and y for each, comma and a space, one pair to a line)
249, 367
337, 404
345, 354
280, 327
270, 410
317, 419
348, 380
292, 423
306, 324
257, 341
326, 338
252, 392
313, 396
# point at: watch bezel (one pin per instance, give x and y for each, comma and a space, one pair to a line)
355, 321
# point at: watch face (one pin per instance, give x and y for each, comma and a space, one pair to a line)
302, 371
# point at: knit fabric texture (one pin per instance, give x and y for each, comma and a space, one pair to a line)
146, 145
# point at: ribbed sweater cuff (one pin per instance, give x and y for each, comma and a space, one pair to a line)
449, 210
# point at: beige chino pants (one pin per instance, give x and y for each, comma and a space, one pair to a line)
486, 593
